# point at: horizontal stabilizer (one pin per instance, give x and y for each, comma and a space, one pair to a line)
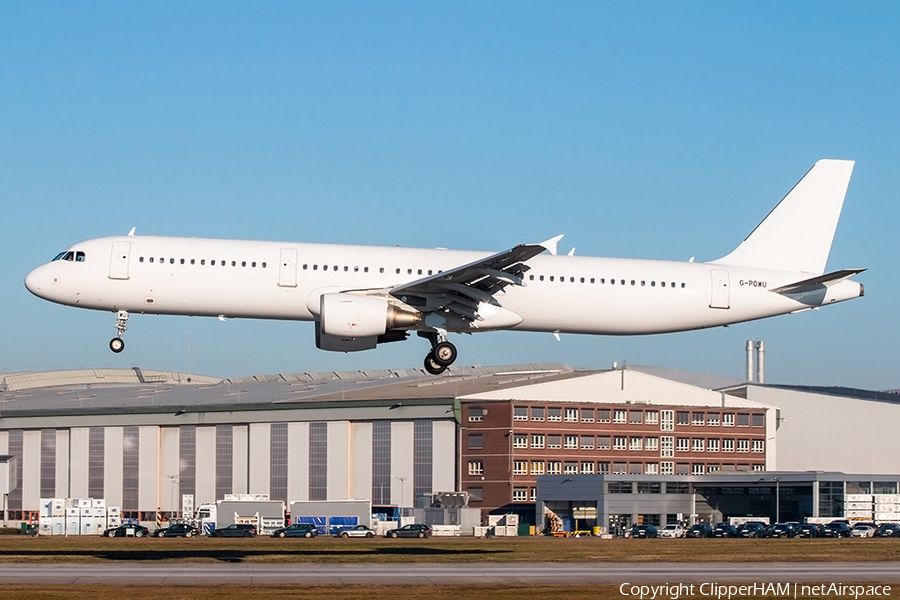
808, 285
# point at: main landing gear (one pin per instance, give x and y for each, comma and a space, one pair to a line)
117, 344
442, 354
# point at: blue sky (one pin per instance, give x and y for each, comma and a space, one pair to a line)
648, 129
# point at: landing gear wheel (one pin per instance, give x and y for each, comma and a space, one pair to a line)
117, 344
444, 353
432, 366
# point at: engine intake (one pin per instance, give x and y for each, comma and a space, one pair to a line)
353, 315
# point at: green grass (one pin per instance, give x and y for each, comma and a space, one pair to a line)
445, 550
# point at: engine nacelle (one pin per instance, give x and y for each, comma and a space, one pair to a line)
353, 315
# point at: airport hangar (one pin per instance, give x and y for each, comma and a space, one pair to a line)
141, 439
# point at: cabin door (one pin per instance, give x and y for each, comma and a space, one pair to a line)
118, 260
287, 268
720, 292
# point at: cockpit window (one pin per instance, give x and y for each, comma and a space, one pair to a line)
79, 257
70, 256
58, 256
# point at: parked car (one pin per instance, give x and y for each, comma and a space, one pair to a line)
700, 530
888, 530
787, 529
358, 531
809, 530
643, 531
866, 530
177, 530
836, 529
236, 530
414, 530
724, 530
305, 530
672, 531
127, 530
753, 529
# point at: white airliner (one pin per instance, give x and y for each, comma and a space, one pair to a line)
360, 296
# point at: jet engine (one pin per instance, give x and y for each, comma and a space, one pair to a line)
352, 322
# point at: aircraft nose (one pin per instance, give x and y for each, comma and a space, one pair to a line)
36, 282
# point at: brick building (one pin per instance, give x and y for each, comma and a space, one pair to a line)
613, 422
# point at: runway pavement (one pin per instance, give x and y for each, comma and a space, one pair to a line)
446, 574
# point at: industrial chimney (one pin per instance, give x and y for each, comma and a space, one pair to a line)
759, 347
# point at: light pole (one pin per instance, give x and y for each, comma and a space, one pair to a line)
778, 500
402, 481
173, 480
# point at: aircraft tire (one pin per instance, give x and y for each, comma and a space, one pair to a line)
117, 344
444, 353
432, 366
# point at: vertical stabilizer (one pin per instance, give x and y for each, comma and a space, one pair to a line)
797, 234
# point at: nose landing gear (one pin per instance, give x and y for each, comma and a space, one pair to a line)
117, 344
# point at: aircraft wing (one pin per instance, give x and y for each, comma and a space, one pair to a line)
463, 288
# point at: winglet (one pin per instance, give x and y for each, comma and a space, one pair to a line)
131, 233
550, 245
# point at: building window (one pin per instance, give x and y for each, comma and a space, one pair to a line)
476, 441
476, 467
537, 467
712, 419
532, 494
96, 439
554, 442
520, 440
759, 420
423, 451
635, 417
587, 468
667, 420
537, 441
603, 415
224, 460
682, 417
713, 468
587, 415
667, 446
570, 468
476, 414
520, 467
651, 469
278, 461
520, 494
651, 444
537, 413
554, 467
602, 442
131, 474
636, 444
698, 469
619, 487
620, 416
635, 468
381, 462
712, 445
666, 467
571, 415
554, 414
697, 419
727, 445
571, 442
683, 445
743, 445
476, 494
603, 468
619, 443
759, 468
48, 463
587, 442
758, 446
651, 417
697, 445
318, 461
520, 413
743, 420
619, 468
728, 420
